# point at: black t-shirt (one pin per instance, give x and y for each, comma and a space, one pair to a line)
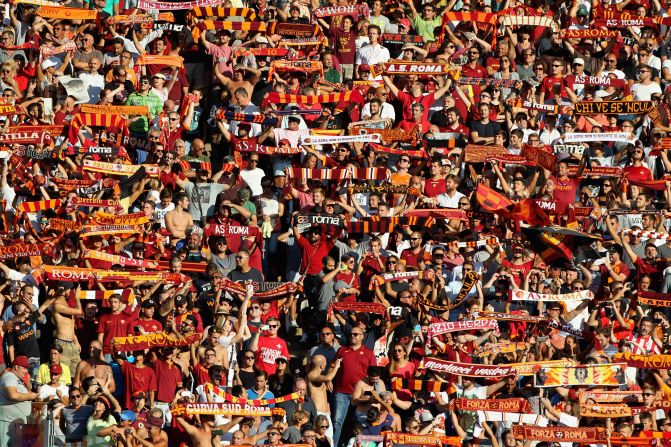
22, 337
485, 130
252, 275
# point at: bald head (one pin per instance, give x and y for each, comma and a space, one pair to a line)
319, 361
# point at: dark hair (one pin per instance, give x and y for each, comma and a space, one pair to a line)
374, 371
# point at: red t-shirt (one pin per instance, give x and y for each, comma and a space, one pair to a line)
269, 349
168, 376
355, 363
565, 192
138, 379
408, 100
433, 188
149, 325
201, 374
519, 269
313, 254
353, 280
411, 259
637, 173
114, 325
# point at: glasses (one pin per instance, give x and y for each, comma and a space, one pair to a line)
391, 261
309, 436
144, 81
556, 66
405, 160
528, 54
464, 204
323, 426
273, 326
484, 96
438, 255
538, 69
75, 396
473, 52
326, 333
356, 334
467, 269
249, 357
255, 307
174, 119
241, 257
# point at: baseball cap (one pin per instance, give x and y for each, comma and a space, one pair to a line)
128, 415
51, 62
180, 299
578, 61
56, 369
364, 67
148, 303
21, 360
404, 22
159, 75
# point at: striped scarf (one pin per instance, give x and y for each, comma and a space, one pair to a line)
303, 42
515, 20
430, 386
341, 10
53, 12
127, 295
468, 282
218, 11
303, 66
392, 150
285, 98
174, 6
490, 241
155, 59
388, 135
274, 290
377, 224
41, 205
372, 308
338, 173
195, 165
480, 17
105, 230
648, 234
94, 120
293, 29
246, 117
245, 147
255, 402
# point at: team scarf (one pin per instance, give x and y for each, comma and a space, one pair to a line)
603, 82
378, 280
77, 274
303, 66
320, 219
490, 241
53, 12
76, 202
48, 51
344, 10
106, 230
21, 250
127, 295
444, 213
519, 418
209, 11
120, 260
141, 18
658, 361
265, 291
94, 120
253, 402
411, 68
152, 340
388, 135
302, 42
610, 411
498, 348
512, 405
653, 298
163, 26
468, 80
380, 189
285, 98
530, 368
391, 150
9, 109
479, 17
175, 6
612, 107
338, 173
657, 185
609, 14
622, 23
588, 33
118, 168
102, 218
155, 59
17, 135
36, 3
293, 29
478, 153
40, 205
373, 308
538, 156
564, 327
509, 317
580, 375
63, 225
444, 327
643, 234
466, 369
547, 108
392, 438
227, 230
92, 150
610, 396
195, 165
337, 139
582, 137
575, 149
526, 295
377, 224
565, 434
263, 52
468, 282
399, 39
225, 409
515, 20
431, 386
218, 25
114, 110
246, 147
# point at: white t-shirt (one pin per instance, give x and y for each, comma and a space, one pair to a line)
252, 178
644, 92
445, 201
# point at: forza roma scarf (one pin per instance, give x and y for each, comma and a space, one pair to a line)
391, 150
285, 98
118, 168
152, 340
409, 68
582, 137
466, 369
20, 250
113, 110
643, 234
120, 260
525, 295
498, 348
610, 396
155, 59
53, 12
344, 10
653, 361
127, 295
246, 147
305, 66
480, 17
653, 298
209, 11
264, 52
374, 308
175, 6
102, 218
378, 280
588, 33
566, 434
513, 405
254, 402
338, 173
580, 375
612, 107
604, 82
77, 274
431, 386
227, 409
40, 205
548, 108
336, 139
293, 29
377, 224
529, 369
519, 418
423, 440
105, 230
515, 20
444, 327
539, 157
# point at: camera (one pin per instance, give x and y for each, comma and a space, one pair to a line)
127, 431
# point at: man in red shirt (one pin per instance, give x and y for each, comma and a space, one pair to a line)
415, 255
565, 187
119, 323
417, 120
637, 172
416, 96
314, 248
356, 358
168, 379
138, 377
269, 347
146, 321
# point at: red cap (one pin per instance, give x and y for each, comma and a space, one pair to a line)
56, 369
404, 22
364, 67
21, 360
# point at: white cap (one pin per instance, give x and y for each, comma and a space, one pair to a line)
51, 62
261, 39
579, 61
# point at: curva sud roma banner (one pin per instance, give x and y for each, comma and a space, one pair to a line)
659, 361
580, 375
565, 434
612, 107
467, 369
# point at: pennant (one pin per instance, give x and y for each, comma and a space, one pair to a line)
53, 12
525, 295
566, 434
581, 375
444, 327
513, 405
411, 68
612, 107
152, 340
467, 369
538, 156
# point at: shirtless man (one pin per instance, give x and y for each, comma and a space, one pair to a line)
200, 436
318, 383
221, 357
239, 80
64, 320
94, 366
179, 220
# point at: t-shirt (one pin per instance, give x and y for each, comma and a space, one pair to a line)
13, 411
344, 47
269, 349
114, 325
313, 255
202, 196
168, 376
253, 275
75, 422
138, 379
354, 367
22, 337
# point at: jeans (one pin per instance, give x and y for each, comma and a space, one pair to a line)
341, 402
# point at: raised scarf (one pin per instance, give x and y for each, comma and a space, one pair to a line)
54, 12
293, 29
509, 317
156, 59
21, 250
538, 156
468, 80
9, 109
336, 139
254, 402
94, 120
95, 203
547, 108
175, 6
498, 348
391, 438
515, 20
477, 153
443, 213
595, 375
610, 396
246, 147
120, 260
17, 135
163, 26
444, 327
209, 11
105, 230
530, 368
127, 295
582, 137
40, 205
152, 340
611, 411
47, 51
285, 98
270, 290
141, 18
373, 308
490, 241
432, 386
612, 107
392, 150
466, 369
566, 434
378, 280
577, 149
411, 68
118, 168
78, 274
338, 173
389, 135
525, 295
512, 405
113, 110
519, 418
381, 189
63, 225
195, 165
226, 409
272, 52
653, 361
480, 17
302, 42
226, 230
378, 224
360, 10
391, 39
604, 81
647, 234
588, 33
303, 66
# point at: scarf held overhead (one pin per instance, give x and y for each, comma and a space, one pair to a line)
566, 434
466, 369
443, 327
581, 375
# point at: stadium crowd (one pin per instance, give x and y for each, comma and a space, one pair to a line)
328, 224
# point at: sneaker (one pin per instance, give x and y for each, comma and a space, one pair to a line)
293, 324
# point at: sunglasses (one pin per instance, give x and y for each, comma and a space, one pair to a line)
273, 326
